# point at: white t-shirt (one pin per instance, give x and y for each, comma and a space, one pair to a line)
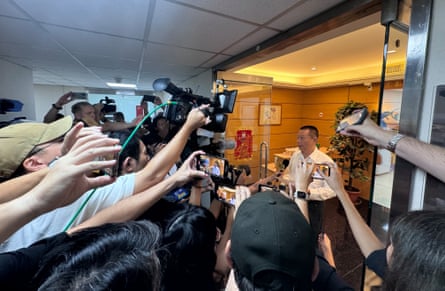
55, 221
318, 188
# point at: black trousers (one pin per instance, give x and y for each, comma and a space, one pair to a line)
316, 217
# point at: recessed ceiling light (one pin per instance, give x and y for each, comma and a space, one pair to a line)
391, 51
121, 85
314, 68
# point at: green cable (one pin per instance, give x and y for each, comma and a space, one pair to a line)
70, 223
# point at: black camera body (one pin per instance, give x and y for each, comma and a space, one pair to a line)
109, 105
185, 100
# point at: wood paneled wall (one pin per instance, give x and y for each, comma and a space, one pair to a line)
299, 107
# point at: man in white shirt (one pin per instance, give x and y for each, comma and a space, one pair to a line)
318, 190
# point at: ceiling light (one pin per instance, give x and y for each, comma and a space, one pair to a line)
314, 68
121, 85
391, 51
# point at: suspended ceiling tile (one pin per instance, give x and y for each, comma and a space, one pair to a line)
194, 29
117, 17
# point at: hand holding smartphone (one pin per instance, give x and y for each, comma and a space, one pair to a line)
323, 168
357, 117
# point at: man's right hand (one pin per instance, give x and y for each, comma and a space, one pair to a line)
370, 132
64, 99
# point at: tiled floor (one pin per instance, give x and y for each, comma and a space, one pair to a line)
348, 257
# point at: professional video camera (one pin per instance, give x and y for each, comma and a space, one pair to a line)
109, 105
10, 105
222, 104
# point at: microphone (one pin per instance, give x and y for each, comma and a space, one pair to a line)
219, 147
227, 144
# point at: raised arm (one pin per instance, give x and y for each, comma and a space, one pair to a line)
414, 151
161, 163
63, 184
51, 115
16, 187
133, 206
302, 176
364, 236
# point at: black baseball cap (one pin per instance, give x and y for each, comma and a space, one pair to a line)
270, 235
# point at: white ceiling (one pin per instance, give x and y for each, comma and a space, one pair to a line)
88, 43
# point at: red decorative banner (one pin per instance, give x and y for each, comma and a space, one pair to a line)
243, 148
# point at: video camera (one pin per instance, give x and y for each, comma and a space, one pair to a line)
109, 105
222, 104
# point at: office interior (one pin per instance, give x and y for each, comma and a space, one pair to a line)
405, 87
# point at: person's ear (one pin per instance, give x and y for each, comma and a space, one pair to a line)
128, 165
227, 253
33, 164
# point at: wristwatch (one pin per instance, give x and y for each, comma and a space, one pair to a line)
391, 146
300, 194
57, 107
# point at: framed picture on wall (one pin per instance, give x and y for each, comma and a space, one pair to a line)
269, 114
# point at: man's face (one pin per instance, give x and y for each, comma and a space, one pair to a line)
306, 142
87, 113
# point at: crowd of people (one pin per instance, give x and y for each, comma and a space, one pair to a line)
84, 209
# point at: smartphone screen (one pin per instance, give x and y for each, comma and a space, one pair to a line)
323, 169
212, 165
79, 96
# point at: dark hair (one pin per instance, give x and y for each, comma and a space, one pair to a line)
313, 130
119, 115
78, 106
132, 149
156, 119
121, 256
189, 235
418, 257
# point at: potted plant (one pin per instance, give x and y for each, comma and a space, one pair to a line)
351, 153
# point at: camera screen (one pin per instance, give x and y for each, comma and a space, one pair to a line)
212, 165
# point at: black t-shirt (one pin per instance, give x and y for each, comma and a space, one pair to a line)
328, 279
376, 261
18, 268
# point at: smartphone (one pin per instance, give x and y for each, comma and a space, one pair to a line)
79, 96
139, 110
214, 166
355, 118
323, 168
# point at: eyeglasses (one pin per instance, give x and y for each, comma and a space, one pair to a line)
37, 149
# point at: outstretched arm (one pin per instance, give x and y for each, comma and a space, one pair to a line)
16, 187
133, 206
414, 151
364, 236
161, 163
51, 115
63, 184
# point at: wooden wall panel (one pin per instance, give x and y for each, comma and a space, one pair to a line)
298, 107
